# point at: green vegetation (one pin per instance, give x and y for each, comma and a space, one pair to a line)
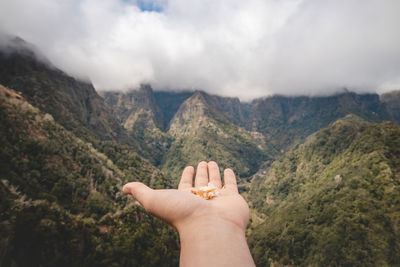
186, 128
333, 201
74, 104
202, 133
287, 121
61, 199
40, 233
143, 120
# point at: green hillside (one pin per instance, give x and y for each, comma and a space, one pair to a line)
61, 199
287, 121
200, 132
73, 103
247, 136
143, 120
201, 128
333, 201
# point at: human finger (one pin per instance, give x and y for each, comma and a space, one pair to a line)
141, 192
187, 178
230, 180
161, 203
201, 174
214, 174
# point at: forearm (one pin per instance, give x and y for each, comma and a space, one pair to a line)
214, 243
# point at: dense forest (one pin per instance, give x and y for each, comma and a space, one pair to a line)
61, 199
335, 199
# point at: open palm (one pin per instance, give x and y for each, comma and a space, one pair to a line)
181, 208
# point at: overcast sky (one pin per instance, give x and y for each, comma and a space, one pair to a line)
239, 48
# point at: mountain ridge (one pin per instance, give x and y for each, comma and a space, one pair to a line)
277, 123
321, 173
73, 103
202, 133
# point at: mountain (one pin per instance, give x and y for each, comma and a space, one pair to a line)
392, 102
333, 200
169, 103
287, 121
75, 104
202, 132
61, 199
164, 123
201, 128
321, 173
142, 118
63, 161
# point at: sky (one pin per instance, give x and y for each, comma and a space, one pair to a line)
236, 48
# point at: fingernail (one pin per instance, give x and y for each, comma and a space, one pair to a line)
126, 189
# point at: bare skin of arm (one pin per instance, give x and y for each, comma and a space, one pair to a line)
212, 232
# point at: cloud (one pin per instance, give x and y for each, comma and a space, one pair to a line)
231, 47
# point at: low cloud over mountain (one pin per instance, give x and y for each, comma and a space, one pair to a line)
237, 48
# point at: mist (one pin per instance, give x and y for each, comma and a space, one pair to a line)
237, 48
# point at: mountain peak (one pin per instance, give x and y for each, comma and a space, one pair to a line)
16, 46
198, 97
190, 115
74, 104
353, 118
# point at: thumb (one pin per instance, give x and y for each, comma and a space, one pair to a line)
141, 192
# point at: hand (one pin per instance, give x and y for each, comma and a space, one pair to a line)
212, 232
183, 209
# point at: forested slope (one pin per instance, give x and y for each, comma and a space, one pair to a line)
333, 201
201, 132
61, 199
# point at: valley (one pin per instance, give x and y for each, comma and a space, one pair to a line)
321, 174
